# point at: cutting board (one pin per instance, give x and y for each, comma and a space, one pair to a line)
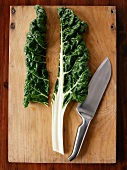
29, 129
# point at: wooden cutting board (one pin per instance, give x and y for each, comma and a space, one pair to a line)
29, 130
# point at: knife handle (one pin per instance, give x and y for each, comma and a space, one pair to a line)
81, 133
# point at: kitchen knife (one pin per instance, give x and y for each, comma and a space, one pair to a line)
88, 108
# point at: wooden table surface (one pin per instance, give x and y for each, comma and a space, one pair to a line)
121, 6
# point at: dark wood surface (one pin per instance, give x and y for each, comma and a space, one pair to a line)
121, 164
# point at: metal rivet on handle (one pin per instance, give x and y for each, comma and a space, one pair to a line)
13, 10
12, 25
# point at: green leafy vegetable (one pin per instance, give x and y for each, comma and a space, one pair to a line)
37, 83
73, 74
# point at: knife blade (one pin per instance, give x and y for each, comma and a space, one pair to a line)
87, 109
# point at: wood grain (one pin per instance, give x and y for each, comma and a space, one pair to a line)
121, 162
29, 132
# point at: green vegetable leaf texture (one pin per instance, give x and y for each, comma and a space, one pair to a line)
36, 83
73, 73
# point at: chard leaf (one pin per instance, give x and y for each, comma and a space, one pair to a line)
36, 83
73, 73
74, 56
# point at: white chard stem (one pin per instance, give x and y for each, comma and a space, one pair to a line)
58, 109
57, 129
